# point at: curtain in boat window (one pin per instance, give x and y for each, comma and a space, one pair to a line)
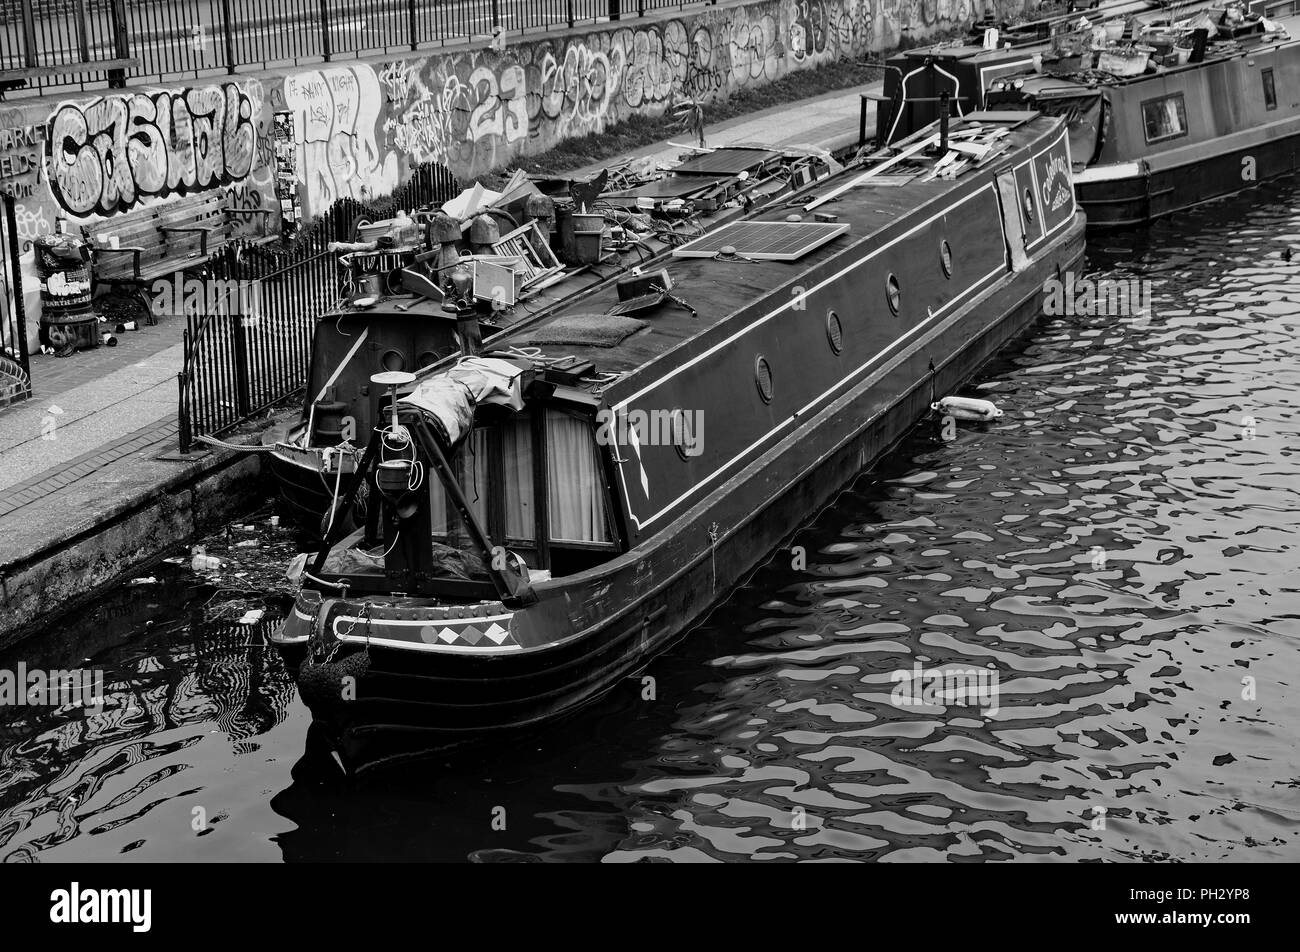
517, 453
476, 462
437, 504
575, 491
474, 472
1164, 118
1082, 115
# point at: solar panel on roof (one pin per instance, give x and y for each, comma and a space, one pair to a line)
764, 240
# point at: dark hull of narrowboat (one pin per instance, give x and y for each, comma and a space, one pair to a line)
411, 703
1138, 194
305, 494
304, 497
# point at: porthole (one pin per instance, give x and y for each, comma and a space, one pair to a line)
763, 378
893, 294
683, 434
426, 359
1029, 206
834, 331
945, 258
393, 360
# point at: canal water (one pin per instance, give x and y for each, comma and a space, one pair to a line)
1119, 551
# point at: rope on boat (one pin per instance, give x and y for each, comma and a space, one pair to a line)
320, 581
237, 447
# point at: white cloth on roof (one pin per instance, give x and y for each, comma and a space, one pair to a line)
450, 397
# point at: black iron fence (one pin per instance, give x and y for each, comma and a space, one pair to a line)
15, 372
248, 346
50, 43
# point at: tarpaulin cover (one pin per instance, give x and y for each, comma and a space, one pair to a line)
448, 399
1083, 115
1078, 104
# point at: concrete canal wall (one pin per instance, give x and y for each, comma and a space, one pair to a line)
105, 530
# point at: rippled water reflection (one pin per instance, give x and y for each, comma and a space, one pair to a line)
1124, 727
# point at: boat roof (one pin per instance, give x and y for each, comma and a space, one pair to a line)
1218, 50
1108, 10
574, 282
719, 287
1222, 50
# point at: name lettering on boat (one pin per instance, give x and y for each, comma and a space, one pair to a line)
1057, 187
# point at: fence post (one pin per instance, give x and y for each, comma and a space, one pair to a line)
325, 29
183, 437
568, 10
121, 44
411, 24
29, 35
227, 36
83, 47
243, 388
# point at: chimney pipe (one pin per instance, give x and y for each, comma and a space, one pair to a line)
943, 121
1200, 38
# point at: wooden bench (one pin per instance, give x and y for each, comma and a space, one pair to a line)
160, 240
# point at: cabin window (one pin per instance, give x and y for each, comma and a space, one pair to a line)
474, 466
893, 293
763, 378
1165, 118
685, 438
945, 258
1270, 91
575, 502
834, 331
517, 463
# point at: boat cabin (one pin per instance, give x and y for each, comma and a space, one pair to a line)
491, 477
1130, 87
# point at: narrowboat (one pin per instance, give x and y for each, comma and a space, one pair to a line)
1167, 110
551, 512
528, 249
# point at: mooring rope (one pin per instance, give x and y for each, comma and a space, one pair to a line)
237, 447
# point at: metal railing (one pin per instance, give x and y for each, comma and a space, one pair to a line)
87, 43
248, 350
15, 370
249, 347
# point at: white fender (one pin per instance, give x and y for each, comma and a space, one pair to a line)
967, 408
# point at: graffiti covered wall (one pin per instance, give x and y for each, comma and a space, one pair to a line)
93, 158
300, 138
363, 126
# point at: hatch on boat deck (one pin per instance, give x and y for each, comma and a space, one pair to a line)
763, 240
1010, 118
727, 162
